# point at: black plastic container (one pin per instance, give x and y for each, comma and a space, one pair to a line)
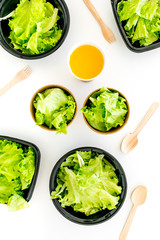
7, 6
98, 217
133, 47
29, 191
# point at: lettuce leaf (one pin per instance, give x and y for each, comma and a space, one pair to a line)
148, 11
126, 9
141, 20
34, 27
55, 109
7, 188
89, 187
16, 202
17, 166
105, 110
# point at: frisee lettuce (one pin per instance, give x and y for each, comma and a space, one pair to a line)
54, 108
17, 166
87, 182
105, 110
141, 20
33, 25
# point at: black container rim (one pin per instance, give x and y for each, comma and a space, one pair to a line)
90, 220
124, 36
29, 191
19, 54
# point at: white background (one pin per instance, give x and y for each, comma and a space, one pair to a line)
137, 77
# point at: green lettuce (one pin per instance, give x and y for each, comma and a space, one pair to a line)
141, 20
33, 25
87, 182
54, 108
106, 110
16, 202
17, 166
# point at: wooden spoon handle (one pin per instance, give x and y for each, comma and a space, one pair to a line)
8, 86
93, 11
127, 225
146, 118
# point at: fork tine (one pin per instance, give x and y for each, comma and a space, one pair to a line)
27, 70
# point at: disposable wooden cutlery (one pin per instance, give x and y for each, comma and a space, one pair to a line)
130, 141
21, 75
107, 33
138, 198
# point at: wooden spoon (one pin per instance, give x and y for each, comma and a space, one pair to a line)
130, 140
138, 198
107, 33
21, 75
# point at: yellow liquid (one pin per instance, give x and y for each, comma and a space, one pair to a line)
86, 62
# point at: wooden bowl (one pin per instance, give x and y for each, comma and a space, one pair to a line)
33, 110
112, 130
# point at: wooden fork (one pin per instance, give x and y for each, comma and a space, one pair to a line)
106, 31
21, 75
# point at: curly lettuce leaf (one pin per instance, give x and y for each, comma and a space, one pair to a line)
126, 9
140, 19
132, 21
89, 187
17, 166
55, 109
148, 11
34, 27
27, 168
106, 110
16, 203
7, 188
141, 31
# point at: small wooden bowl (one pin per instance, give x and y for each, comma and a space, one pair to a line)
33, 110
112, 130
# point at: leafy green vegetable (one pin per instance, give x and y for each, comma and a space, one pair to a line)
141, 20
33, 25
88, 183
16, 202
54, 108
105, 110
17, 166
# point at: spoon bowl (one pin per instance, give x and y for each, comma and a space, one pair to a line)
129, 142
139, 195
